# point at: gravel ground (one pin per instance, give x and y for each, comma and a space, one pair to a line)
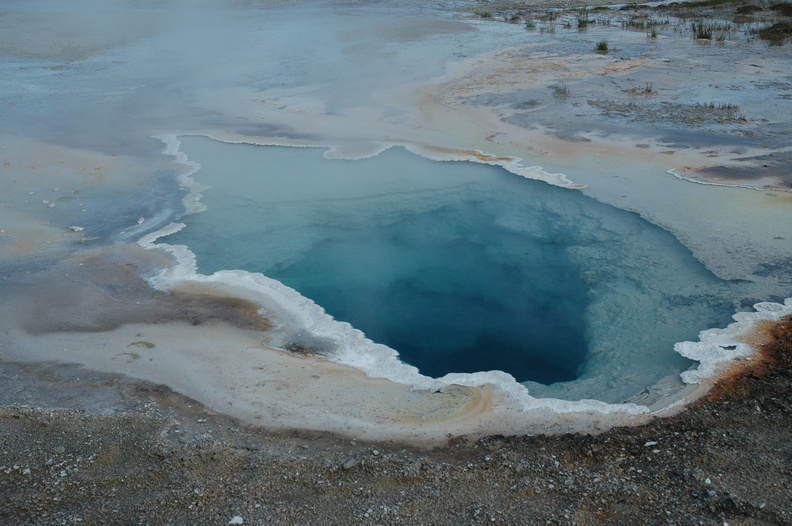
163, 459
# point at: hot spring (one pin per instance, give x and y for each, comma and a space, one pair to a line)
458, 266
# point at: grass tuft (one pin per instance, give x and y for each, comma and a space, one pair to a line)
602, 46
646, 89
723, 112
777, 33
560, 91
702, 31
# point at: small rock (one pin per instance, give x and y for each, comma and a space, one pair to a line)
141, 220
236, 520
76, 228
349, 464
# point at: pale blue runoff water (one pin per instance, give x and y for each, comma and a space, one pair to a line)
460, 267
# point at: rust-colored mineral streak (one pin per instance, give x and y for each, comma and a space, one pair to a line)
772, 342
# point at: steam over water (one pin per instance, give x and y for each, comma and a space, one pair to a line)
560, 256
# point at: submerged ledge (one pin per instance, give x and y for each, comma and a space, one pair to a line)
355, 153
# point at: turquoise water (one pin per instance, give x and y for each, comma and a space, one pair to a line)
460, 267
450, 291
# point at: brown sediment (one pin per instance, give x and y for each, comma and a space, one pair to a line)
739, 173
459, 404
198, 306
203, 304
141, 343
623, 67
777, 33
474, 154
772, 345
98, 292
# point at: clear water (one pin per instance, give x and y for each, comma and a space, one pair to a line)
450, 291
458, 266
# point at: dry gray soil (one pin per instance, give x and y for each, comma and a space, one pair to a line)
158, 458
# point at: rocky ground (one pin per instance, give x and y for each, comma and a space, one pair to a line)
159, 458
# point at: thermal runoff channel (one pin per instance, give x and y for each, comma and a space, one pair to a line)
460, 267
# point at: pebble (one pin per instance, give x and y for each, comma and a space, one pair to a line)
236, 519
